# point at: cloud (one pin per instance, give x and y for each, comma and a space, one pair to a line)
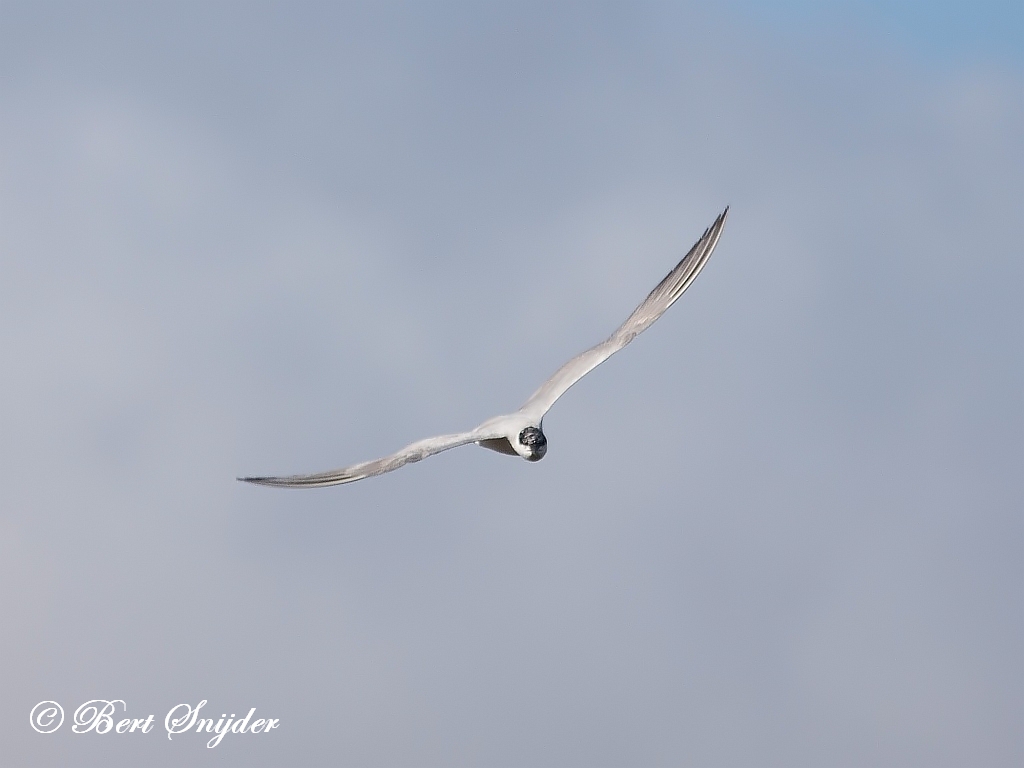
782, 527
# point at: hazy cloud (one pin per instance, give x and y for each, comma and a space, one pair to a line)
784, 527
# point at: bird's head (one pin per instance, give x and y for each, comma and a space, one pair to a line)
531, 444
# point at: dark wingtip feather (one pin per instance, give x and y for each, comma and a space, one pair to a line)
270, 482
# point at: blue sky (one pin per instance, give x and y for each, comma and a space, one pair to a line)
782, 528
941, 33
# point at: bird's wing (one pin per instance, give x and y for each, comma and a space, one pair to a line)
660, 299
413, 452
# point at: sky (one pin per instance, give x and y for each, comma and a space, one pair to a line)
783, 527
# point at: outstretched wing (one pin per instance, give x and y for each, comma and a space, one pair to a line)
414, 452
653, 307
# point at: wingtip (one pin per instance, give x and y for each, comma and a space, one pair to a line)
716, 228
257, 480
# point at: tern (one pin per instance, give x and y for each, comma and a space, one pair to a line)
521, 433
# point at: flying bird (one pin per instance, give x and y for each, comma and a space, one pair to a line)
521, 433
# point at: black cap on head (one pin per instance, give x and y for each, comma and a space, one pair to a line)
534, 439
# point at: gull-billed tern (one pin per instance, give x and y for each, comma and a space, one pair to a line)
521, 433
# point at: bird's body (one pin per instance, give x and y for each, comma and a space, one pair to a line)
521, 433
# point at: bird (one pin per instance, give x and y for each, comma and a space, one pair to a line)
521, 433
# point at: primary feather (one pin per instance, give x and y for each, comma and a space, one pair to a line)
660, 299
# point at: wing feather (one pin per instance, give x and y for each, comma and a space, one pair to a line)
660, 299
412, 452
